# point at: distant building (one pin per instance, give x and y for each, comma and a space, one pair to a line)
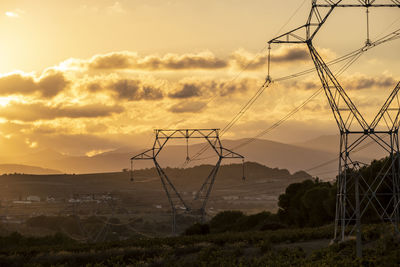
33, 198
50, 199
231, 198
22, 202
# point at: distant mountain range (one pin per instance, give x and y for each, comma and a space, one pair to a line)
306, 156
18, 168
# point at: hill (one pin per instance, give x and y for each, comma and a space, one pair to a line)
270, 153
259, 191
19, 168
330, 143
322, 152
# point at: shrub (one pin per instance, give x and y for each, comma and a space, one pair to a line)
224, 221
198, 229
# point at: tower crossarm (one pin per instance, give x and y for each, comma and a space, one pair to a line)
359, 3
229, 154
317, 17
385, 108
320, 11
148, 154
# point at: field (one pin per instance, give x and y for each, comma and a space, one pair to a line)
142, 204
289, 247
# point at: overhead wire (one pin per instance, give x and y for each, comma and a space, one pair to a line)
353, 56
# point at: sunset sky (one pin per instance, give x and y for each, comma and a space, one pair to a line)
88, 76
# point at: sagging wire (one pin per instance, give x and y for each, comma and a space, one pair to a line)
131, 171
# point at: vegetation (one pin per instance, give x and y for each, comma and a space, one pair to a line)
256, 248
297, 235
310, 203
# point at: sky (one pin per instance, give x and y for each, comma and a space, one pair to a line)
84, 77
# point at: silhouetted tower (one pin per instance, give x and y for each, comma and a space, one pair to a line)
357, 194
174, 197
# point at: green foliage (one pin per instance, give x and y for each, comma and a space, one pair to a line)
224, 221
224, 249
309, 203
236, 221
198, 229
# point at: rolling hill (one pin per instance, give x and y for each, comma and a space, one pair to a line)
18, 168
321, 152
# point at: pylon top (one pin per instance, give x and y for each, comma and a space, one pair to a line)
320, 11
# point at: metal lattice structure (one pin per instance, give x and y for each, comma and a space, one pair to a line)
100, 208
356, 194
174, 197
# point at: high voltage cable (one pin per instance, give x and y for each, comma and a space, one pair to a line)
278, 123
298, 108
354, 55
282, 120
291, 17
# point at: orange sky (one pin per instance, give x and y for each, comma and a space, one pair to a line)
83, 77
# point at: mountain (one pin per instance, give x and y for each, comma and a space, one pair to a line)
328, 143
368, 150
270, 153
317, 156
18, 168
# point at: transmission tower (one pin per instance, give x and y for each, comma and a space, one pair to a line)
174, 197
98, 208
357, 195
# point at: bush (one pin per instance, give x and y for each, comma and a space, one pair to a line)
224, 221
198, 229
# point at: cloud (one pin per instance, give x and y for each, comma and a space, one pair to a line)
188, 107
353, 82
134, 90
48, 85
187, 91
116, 8
188, 88
245, 60
360, 82
127, 89
15, 13
131, 60
206, 60
38, 111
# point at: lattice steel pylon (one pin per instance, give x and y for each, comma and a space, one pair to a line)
357, 194
174, 197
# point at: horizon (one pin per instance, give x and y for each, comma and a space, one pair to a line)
247, 132
86, 97
73, 93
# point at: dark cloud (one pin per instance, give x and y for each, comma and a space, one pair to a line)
112, 61
128, 60
187, 91
295, 53
188, 107
244, 60
39, 111
366, 82
52, 83
197, 88
49, 84
94, 87
355, 82
134, 90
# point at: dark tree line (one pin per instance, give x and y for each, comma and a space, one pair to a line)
309, 203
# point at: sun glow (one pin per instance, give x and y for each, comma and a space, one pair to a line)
12, 14
4, 100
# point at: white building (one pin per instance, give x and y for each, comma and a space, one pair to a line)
33, 198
